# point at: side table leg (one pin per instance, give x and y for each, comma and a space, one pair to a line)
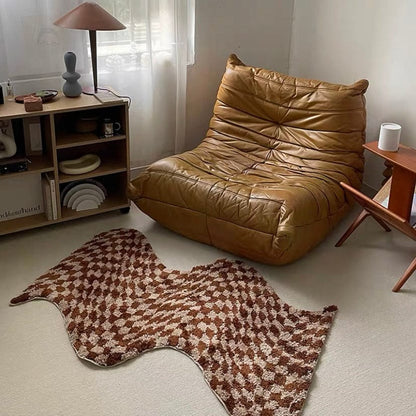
382, 223
409, 271
364, 214
361, 217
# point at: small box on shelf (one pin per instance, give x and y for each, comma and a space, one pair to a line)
33, 103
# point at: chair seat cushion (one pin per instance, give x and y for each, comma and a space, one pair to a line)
262, 211
261, 185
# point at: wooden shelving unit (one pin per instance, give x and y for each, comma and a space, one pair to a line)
61, 142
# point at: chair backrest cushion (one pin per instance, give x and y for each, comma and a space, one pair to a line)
303, 124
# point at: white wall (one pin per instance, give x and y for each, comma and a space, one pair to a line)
257, 31
341, 41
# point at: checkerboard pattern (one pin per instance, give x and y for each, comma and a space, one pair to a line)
118, 300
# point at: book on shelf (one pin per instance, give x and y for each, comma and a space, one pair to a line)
49, 197
52, 185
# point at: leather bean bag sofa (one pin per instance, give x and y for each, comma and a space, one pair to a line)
264, 182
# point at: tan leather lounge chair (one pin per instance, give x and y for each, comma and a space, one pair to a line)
264, 183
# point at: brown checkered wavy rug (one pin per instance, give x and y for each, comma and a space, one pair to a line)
118, 300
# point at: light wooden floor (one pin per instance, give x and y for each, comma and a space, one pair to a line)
367, 368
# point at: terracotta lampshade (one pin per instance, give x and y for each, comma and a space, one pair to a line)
89, 16
92, 17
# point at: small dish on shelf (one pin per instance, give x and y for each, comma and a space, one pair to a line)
45, 95
83, 164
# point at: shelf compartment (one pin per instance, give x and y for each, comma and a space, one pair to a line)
66, 140
38, 164
116, 197
68, 130
113, 159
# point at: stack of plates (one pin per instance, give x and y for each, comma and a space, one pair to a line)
83, 195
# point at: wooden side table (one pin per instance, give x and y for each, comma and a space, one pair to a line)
400, 189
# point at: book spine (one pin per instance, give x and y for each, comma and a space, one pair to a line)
53, 197
47, 202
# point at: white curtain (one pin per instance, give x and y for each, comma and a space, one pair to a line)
147, 61
31, 47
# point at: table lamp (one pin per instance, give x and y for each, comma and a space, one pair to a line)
92, 17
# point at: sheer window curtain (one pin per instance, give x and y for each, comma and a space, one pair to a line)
147, 61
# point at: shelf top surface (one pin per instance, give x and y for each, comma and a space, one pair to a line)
11, 109
405, 157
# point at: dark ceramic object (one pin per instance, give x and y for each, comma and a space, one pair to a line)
71, 87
